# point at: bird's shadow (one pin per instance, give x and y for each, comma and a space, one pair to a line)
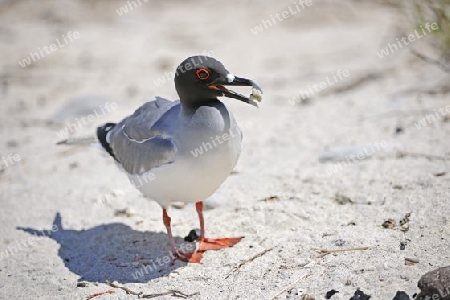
113, 252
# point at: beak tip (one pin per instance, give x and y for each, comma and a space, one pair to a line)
256, 86
255, 104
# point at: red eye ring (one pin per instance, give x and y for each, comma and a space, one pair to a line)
202, 74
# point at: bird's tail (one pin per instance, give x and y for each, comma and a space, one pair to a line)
103, 138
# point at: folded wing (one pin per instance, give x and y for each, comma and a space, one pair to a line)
135, 143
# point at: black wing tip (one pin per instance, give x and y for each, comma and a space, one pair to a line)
102, 132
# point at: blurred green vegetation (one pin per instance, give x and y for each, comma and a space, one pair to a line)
423, 11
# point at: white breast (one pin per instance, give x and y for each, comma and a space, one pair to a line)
201, 166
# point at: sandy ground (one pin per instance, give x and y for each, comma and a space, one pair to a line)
282, 198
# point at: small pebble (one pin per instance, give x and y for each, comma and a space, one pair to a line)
193, 235
389, 223
329, 294
359, 295
82, 284
401, 295
399, 129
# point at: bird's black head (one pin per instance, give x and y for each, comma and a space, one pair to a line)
199, 79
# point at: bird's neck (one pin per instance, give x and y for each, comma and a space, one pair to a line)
191, 106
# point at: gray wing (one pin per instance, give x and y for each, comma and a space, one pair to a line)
137, 145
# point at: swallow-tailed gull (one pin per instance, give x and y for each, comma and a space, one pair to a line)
182, 151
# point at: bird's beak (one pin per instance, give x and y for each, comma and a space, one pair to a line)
230, 80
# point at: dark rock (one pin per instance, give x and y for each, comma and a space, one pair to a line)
401, 295
330, 294
193, 235
359, 295
435, 285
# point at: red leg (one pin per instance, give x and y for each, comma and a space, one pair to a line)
187, 257
199, 208
212, 244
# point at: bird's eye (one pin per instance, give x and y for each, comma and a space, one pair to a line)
202, 74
